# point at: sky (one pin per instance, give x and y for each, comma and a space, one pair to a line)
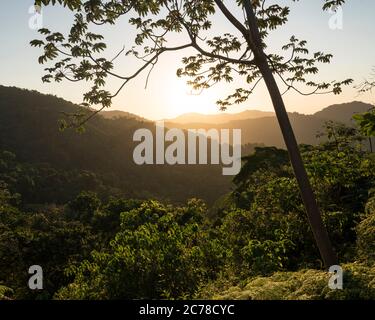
167, 96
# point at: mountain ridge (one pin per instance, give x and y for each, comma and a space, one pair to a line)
329, 112
262, 128
29, 129
266, 129
195, 117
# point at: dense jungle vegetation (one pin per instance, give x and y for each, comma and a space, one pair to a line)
96, 242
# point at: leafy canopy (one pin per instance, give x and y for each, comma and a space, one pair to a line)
81, 54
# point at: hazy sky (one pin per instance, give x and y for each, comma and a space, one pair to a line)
167, 96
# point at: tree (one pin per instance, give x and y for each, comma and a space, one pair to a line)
366, 120
366, 123
242, 53
161, 247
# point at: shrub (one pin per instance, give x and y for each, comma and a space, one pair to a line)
309, 284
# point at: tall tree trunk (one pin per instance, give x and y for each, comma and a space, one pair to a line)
320, 233
370, 141
313, 213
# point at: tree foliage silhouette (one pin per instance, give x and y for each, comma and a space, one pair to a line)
242, 53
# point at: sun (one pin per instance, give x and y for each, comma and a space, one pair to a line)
182, 99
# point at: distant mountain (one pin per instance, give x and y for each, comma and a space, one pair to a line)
343, 112
266, 130
29, 129
220, 117
116, 114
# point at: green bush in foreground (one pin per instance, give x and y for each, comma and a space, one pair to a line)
366, 234
5, 293
359, 283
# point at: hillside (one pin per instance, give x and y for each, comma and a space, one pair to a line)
343, 112
115, 114
266, 129
220, 117
29, 129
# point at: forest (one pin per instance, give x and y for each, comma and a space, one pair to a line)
253, 242
75, 204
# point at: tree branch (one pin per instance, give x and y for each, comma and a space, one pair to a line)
239, 26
